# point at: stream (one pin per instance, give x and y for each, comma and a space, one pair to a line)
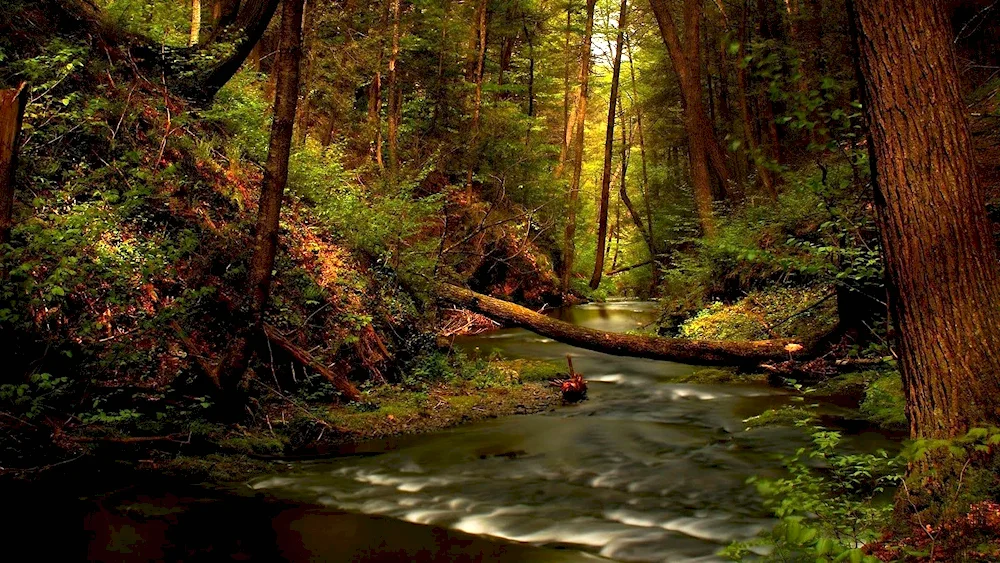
647, 469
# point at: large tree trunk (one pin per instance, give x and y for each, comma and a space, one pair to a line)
686, 61
702, 352
941, 260
609, 142
580, 113
12, 103
276, 168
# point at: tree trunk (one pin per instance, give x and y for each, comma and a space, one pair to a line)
609, 142
567, 126
702, 352
279, 149
308, 54
941, 260
375, 93
395, 101
687, 65
637, 108
12, 103
529, 36
644, 231
580, 113
201, 73
749, 131
195, 22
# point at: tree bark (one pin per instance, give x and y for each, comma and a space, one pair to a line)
687, 65
279, 149
12, 103
941, 260
609, 142
580, 113
702, 352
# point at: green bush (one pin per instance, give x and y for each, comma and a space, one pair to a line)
829, 506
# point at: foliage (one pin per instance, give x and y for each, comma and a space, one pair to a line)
776, 313
884, 402
829, 506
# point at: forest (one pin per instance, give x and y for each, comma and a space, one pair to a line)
501, 280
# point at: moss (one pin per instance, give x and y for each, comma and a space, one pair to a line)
253, 444
717, 375
765, 314
884, 403
439, 407
788, 415
215, 467
535, 370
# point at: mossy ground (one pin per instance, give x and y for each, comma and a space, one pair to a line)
288, 429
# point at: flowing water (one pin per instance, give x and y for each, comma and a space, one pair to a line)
648, 469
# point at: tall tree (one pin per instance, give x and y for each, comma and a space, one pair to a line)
580, 113
375, 92
941, 259
476, 72
195, 22
279, 149
609, 142
567, 132
304, 118
686, 59
395, 101
767, 179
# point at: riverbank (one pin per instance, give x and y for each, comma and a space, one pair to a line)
293, 427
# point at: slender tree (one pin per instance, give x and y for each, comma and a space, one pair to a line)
580, 113
375, 92
304, 118
609, 142
279, 149
476, 72
941, 259
395, 102
195, 22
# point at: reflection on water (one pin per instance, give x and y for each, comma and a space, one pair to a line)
648, 469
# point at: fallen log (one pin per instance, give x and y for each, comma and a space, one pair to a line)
338, 380
700, 352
